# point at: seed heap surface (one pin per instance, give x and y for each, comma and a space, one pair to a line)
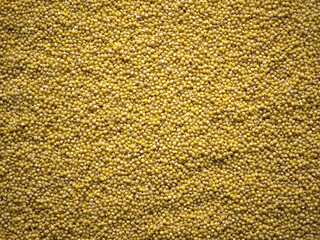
159, 119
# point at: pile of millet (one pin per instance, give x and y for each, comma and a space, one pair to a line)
159, 119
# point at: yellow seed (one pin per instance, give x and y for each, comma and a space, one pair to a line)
159, 119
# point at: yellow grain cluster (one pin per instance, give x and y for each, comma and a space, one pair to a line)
159, 119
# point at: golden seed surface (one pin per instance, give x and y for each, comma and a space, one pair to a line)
159, 119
